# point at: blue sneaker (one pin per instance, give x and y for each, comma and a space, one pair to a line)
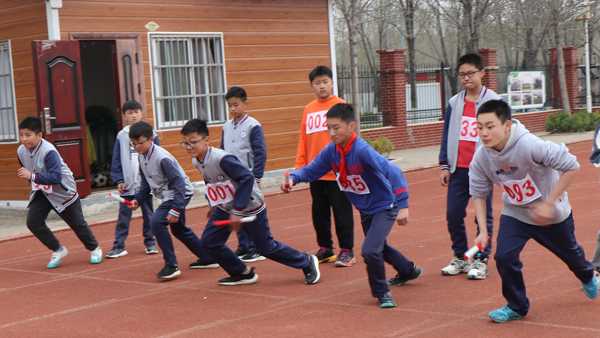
96, 256
591, 288
387, 301
57, 257
504, 314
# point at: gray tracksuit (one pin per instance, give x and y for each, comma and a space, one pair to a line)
524, 156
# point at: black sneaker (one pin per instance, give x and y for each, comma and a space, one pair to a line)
401, 280
240, 252
252, 256
311, 272
169, 272
200, 264
325, 255
241, 279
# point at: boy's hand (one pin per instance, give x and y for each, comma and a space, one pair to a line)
444, 177
543, 212
402, 218
121, 187
234, 222
172, 219
24, 173
286, 184
133, 204
481, 240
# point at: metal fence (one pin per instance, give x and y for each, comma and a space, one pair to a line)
431, 94
368, 89
431, 87
594, 84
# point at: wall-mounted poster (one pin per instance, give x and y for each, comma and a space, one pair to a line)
526, 89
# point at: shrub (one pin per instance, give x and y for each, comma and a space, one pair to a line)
580, 121
382, 145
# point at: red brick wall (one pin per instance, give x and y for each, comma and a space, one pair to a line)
570, 58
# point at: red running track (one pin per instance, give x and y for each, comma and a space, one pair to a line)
122, 298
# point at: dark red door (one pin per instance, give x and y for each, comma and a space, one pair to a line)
61, 104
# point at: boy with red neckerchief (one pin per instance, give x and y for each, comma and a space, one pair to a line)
377, 188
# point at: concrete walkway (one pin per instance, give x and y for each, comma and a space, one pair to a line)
98, 209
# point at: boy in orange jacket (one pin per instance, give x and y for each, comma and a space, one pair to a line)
326, 194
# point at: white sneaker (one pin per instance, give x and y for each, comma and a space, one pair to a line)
478, 270
96, 256
456, 266
57, 257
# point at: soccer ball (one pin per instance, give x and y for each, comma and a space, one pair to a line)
100, 180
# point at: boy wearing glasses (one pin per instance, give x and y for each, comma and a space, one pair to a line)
459, 140
233, 194
125, 171
162, 175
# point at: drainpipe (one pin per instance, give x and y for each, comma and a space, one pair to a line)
331, 26
52, 7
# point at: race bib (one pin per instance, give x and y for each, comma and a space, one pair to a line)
521, 192
468, 129
47, 188
355, 185
220, 193
316, 122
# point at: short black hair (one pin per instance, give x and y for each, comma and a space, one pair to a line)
343, 111
238, 92
471, 59
320, 71
500, 108
131, 105
140, 129
195, 126
32, 123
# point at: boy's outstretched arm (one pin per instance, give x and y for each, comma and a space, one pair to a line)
320, 166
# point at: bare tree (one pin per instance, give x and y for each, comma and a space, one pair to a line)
408, 8
474, 12
561, 13
352, 11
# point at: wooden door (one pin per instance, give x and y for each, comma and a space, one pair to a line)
59, 87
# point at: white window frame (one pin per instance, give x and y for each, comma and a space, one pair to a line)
175, 125
11, 74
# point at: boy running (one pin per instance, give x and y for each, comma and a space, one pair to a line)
232, 193
534, 175
377, 189
53, 187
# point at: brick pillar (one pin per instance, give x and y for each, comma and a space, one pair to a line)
570, 57
392, 87
490, 66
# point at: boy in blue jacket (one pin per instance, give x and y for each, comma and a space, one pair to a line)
125, 171
377, 189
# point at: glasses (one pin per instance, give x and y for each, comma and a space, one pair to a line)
467, 75
134, 144
191, 144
